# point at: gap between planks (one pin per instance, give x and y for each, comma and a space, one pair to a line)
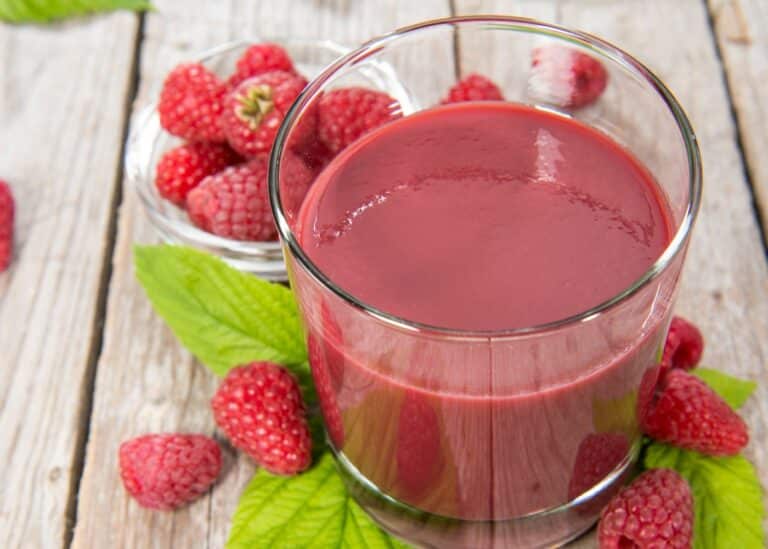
740, 131
97, 341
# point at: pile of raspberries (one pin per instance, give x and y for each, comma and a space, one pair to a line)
219, 176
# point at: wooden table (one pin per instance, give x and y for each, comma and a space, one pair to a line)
86, 363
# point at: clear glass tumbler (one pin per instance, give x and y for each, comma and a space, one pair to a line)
501, 438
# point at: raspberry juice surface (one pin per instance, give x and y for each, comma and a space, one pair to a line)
482, 217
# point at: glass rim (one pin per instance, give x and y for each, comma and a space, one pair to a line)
517, 24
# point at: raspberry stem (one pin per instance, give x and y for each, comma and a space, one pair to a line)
255, 104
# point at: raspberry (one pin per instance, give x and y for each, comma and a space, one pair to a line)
687, 413
260, 409
656, 510
597, 456
181, 169
566, 77
169, 470
295, 179
255, 109
191, 103
419, 450
6, 225
333, 341
326, 391
258, 59
234, 203
315, 153
647, 390
345, 114
473, 87
684, 345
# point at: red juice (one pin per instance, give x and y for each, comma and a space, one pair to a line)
482, 217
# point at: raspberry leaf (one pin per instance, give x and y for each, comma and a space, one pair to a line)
223, 316
37, 11
733, 390
727, 496
309, 510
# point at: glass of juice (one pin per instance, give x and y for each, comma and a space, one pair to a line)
486, 285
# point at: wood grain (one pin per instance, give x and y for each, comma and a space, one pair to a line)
63, 93
145, 381
724, 287
741, 29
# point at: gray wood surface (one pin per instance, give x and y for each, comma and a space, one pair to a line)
741, 29
63, 93
61, 126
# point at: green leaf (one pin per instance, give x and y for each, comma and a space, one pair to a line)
37, 11
727, 496
309, 510
734, 391
223, 316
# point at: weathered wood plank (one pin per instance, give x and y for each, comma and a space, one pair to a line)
145, 381
741, 29
63, 93
725, 282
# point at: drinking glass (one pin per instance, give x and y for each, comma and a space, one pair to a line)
512, 437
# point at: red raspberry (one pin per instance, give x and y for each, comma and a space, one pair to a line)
295, 180
260, 409
315, 153
258, 59
326, 387
6, 225
333, 341
191, 103
684, 345
169, 470
647, 391
473, 87
687, 413
345, 114
598, 455
566, 77
234, 203
656, 510
255, 109
419, 452
181, 169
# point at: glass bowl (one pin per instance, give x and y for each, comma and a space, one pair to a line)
148, 141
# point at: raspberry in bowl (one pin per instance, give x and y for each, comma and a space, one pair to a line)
198, 157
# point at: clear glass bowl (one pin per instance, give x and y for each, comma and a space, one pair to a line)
148, 141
